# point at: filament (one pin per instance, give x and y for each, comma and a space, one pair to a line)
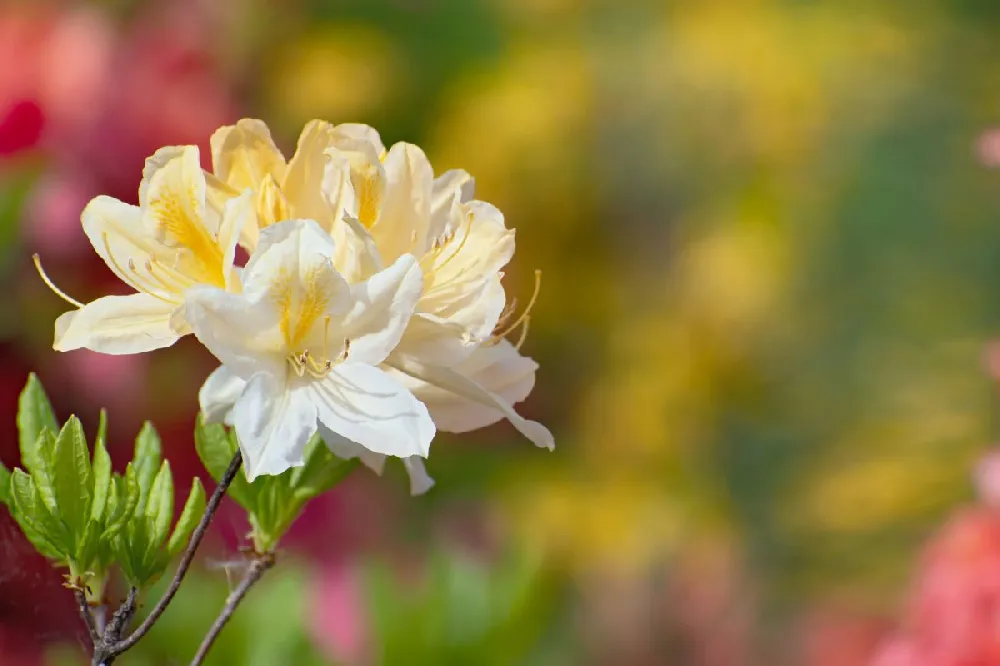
51, 285
523, 319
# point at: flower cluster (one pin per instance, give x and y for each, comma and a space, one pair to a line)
370, 309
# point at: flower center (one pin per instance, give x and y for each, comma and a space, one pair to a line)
304, 363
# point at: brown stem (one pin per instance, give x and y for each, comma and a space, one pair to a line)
118, 647
87, 616
258, 566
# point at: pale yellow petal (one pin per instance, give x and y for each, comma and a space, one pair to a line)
303, 182
175, 212
120, 238
118, 325
404, 210
244, 153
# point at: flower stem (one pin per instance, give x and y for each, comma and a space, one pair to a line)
109, 646
258, 566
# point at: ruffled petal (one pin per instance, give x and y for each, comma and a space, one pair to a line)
274, 422
365, 405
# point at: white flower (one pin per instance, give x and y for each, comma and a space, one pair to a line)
454, 350
300, 349
171, 242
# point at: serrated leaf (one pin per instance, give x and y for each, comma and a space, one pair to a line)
193, 510
43, 472
88, 545
102, 480
34, 415
159, 508
41, 528
126, 501
216, 449
147, 458
72, 482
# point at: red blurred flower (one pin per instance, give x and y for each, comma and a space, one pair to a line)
20, 127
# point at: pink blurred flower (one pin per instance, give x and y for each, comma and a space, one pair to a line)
339, 618
988, 147
105, 379
839, 636
953, 617
897, 651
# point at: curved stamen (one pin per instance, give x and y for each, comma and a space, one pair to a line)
524, 334
507, 330
51, 285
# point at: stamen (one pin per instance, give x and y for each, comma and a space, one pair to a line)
51, 285
347, 349
508, 329
524, 334
467, 226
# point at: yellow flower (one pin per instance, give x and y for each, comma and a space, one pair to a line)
175, 239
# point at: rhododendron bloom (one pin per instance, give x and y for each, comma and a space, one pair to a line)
300, 350
173, 241
453, 354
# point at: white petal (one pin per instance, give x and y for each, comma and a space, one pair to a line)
117, 325
480, 247
449, 190
499, 369
292, 272
237, 214
450, 380
345, 449
359, 138
404, 217
242, 333
365, 405
117, 232
219, 393
380, 310
431, 339
274, 423
420, 481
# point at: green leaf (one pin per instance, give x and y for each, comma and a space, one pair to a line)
216, 449
4, 484
102, 478
41, 528
43, 472
72, 482
126, 502
322, 471
193, 510
159, 508
148, 454
34, 415
102, 427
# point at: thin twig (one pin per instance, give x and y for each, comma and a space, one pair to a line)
85, 614
121, 618
186, 559
260, 564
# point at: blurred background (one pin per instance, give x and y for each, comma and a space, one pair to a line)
770, 238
